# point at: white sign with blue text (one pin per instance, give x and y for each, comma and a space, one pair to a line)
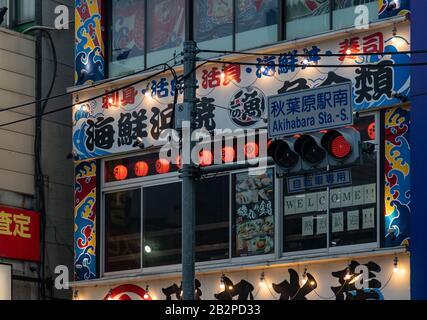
310, 110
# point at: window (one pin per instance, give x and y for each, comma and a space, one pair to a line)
344, 14
253, 214
213, 24
306, 18
213, 219
344, 214
166, 30
123, 230
24, 11
4, 5
256, 23
127, 36
20, 14
162, 225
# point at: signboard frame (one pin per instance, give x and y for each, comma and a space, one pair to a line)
311, 129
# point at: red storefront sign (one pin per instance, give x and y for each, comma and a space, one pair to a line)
19, 234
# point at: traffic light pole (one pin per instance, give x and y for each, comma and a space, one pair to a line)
188, 189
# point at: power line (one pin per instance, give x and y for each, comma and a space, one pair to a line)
88, 100
309, 65
85, 88
226, 52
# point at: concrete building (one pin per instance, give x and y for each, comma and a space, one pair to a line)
333, 223
27, 67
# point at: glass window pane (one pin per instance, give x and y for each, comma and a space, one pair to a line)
123, 231
253, 214
344, 15
256, 23
4, 4
213, 24
353, 214
162, 225
166, 30
212, 219
127, 36
306, 18
305, 220
25, 11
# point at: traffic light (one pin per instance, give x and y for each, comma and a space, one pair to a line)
316, 150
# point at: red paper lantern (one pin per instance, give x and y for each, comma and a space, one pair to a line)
251, 150
371, 131
120, 172
141, 169
162, 166
205, 158
228, 154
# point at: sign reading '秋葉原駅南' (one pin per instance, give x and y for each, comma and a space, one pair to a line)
310, 110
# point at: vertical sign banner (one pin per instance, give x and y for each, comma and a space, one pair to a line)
5, 282
85, 221
397, 169
89, 42
19, 234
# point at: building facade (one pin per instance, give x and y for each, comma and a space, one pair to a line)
332, 231
36, 179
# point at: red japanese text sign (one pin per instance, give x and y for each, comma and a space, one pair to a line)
19, 234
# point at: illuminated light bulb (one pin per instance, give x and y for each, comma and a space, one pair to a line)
303, 281
222, 285
395, 265
304, 277
230, 288
312, 283
147, 290
147, 94
262, 69
348, 275
348, 52
148, 249
262, 280
110, 100
306, 62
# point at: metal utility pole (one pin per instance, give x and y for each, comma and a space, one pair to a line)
188, 191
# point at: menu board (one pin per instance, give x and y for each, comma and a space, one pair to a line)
254, 213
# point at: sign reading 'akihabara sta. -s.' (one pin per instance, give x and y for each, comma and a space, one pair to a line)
234, 96
19, 234
310, 110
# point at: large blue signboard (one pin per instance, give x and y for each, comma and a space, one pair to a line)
310, 110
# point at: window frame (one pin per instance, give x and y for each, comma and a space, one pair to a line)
146, 182
190, 23
330, 251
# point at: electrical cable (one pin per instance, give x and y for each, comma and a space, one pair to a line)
226, 52
89, 99
39, 175
95, 85
309, 65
